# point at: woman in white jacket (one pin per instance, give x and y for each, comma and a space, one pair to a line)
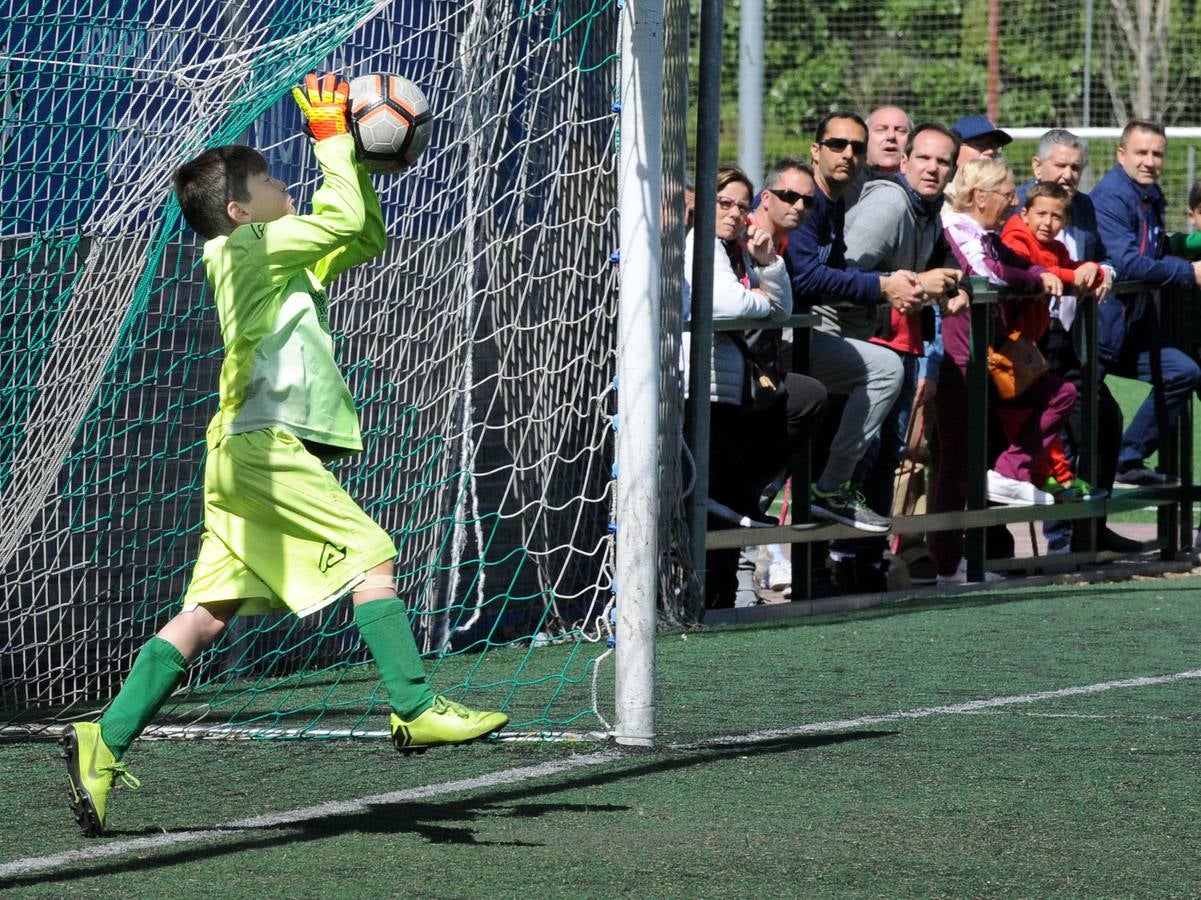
749, 280
748, 446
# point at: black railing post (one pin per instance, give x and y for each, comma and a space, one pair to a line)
984, 296
1087, 465
801, 555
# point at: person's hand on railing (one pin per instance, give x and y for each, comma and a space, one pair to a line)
956, 304
1051, 284
1106, 286
1084, 276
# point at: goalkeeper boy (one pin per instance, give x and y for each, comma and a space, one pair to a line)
279, 531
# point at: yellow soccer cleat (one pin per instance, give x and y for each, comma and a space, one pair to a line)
446, 722
92, 768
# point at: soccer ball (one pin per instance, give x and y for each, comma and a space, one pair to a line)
391, 121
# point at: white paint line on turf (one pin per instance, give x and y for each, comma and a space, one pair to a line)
953, 709
308, 813
525, 773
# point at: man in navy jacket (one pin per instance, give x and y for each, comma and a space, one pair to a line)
1130, 221
869, 375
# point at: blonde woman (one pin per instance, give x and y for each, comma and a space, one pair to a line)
985, 196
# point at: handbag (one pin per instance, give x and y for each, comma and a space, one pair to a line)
764, 385
1015, 365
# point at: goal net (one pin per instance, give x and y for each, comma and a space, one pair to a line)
480, 349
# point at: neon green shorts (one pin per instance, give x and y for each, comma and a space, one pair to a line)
279, 531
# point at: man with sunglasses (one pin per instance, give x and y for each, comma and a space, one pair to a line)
869, 376
788, 194
787, 197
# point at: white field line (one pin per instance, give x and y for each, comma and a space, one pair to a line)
294, 816
526, 773
954, 709
1100, 717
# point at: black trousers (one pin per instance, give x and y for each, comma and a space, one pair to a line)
748, 449
1060, 353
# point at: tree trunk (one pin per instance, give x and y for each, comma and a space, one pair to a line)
1143, 26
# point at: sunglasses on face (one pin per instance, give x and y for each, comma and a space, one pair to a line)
791, 197
839, 144
726, 203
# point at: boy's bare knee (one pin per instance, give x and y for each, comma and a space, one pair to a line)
196, 630
379, 583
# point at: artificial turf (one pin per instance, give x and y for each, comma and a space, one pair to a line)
1074, 795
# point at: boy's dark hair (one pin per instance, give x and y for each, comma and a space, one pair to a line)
1051, 189
205, 186
1194, 195
823, 123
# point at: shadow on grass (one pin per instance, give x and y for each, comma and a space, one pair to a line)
1117, 591
436, 821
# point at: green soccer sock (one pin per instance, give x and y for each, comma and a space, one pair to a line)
385, 627
156, 672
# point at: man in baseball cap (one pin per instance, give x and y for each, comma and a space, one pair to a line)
978, 137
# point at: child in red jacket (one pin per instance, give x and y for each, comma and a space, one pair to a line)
1031, 235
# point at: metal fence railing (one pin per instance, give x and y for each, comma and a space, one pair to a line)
1174, 501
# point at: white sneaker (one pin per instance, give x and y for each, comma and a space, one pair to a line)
1002, 489
960, 576
779, 575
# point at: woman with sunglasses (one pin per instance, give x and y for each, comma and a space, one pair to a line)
747, 445
982, 200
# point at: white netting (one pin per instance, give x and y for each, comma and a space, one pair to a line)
479, 347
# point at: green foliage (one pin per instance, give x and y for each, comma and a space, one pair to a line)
1174, 66
931, 58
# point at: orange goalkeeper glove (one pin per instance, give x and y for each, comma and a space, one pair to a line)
323, 102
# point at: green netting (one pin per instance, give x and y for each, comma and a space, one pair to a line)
480, 348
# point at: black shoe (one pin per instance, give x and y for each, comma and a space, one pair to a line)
821, 582
853, 577
872, 579
1141, 476
922, 571
1111, 541
846, 505
842, 573
1116, 543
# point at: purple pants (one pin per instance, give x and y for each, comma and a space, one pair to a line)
1050, 401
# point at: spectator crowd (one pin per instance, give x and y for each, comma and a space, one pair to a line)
878, 232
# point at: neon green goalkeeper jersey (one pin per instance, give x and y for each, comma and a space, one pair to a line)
269, 283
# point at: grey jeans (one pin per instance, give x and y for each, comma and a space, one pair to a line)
871, 377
